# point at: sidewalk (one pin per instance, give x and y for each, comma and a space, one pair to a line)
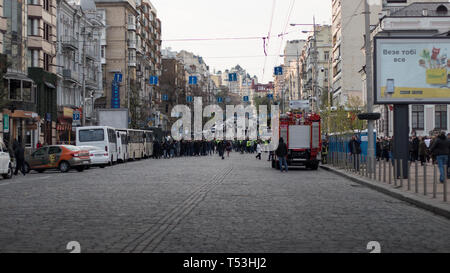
414, 194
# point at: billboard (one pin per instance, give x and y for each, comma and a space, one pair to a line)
411, 70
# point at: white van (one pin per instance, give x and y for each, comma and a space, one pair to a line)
6, 165
102, 137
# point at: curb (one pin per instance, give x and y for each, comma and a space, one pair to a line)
432, 205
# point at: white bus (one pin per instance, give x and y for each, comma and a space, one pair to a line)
149, 137
102, 137
122, 144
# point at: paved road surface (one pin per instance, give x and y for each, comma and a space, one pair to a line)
205, 204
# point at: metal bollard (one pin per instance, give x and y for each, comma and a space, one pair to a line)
401, 173
434, 181
417, 177
445, 182
409, 176
395, 171
384, 171
390, 171
425, 179
379, 169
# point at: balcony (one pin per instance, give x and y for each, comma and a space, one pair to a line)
131, 44
132, 26
132, 61
69, 76
69, 42
3, 25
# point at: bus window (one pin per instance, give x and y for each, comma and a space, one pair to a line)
91, 135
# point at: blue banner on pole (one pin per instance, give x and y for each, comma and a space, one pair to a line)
189, 99
165, 97
270, 96
115, 95
232, 77
219, 99
245, 98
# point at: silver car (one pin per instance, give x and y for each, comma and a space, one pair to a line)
98, 156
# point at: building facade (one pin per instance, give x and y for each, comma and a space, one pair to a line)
79, 67
414, 20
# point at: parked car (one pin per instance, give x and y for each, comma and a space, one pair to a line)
6, 164
62, 157
98, 156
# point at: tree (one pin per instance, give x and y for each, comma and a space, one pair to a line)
4, 102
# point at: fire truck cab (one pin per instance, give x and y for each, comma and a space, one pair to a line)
301, 133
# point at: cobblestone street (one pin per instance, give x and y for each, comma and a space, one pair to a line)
206, 204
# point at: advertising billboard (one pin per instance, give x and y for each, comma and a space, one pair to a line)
412, 70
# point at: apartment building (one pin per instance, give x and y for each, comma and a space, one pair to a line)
347, 41
3, 26
316, 66
173, 86
131, 46
30, 80
79, 67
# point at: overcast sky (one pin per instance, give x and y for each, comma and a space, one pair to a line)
186, 19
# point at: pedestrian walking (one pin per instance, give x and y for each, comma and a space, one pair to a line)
422, 151
229, 148
354, 146
281, 153
440, 149
19, 154
258, 150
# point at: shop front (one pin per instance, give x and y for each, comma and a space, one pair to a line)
22, 126
64, 133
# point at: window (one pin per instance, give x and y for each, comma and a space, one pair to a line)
91, 135
326, 55
418, 117
46, 4
15, 92
103, 51
440, 117
54, 150
33, 58
33, 27
47, 32
27, 91
47, 62
40, 152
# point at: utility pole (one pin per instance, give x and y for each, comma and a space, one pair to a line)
83, 89
298, 75
368, 49
314, 76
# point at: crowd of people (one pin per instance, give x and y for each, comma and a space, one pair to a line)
170, 148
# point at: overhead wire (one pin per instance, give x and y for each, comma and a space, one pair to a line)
268, 36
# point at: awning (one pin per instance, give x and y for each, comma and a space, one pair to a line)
49, 85
17, 76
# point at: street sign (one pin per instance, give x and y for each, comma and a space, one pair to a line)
299, 105
48, 117
189, 99
154, 80
278, 71
165, 97
115, 95
5, 123
192, 80
270, 96
219, 99
228, 100
118, 77
76, 118
245, 98
232, 77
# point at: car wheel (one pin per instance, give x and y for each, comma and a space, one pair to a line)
64, 166
8, 175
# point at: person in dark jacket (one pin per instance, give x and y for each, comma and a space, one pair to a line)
415, 149
378, 149
354, 146
440, 149
19, 154
221, 148
422, 151
281, 153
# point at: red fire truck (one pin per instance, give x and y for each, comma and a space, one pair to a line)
301, 133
